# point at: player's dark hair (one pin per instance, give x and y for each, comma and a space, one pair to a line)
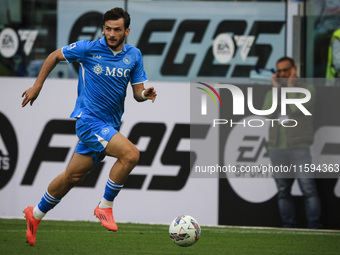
292, 62
115, 14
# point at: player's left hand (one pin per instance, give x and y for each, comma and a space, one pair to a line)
150, 93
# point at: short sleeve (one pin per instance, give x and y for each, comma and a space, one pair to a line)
138, 74
75, 51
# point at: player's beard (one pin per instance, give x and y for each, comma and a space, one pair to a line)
118, 43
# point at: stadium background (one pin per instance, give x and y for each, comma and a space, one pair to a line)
177, 40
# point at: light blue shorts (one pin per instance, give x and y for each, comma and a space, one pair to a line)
94, 135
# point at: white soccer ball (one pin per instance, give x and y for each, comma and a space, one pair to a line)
184, 230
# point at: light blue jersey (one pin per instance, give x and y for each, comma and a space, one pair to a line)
103, 78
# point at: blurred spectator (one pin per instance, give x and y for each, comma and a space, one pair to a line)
333, 64
289, 146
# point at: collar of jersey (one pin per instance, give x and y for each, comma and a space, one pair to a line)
103, 42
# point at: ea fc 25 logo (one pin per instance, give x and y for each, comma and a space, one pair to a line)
8, 151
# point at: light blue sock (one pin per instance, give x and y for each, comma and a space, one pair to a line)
47, 202
111, 191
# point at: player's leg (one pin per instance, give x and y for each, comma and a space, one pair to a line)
127, 157
77, 169
75, 172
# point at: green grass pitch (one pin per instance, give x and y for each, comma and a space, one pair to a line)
79, 237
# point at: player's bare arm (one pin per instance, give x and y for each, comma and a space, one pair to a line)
140, 96
31, 94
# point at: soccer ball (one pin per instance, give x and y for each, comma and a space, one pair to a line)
184, 230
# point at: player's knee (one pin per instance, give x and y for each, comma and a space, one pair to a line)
74, 179
132, 157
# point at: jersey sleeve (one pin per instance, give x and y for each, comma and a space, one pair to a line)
138, 74
75, 51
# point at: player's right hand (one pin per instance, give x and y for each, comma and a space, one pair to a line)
30, 95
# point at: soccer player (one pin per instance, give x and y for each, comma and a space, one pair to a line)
106, 68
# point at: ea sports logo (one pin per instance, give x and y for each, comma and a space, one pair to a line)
8, 151
223, 48
9, 43
249, 182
